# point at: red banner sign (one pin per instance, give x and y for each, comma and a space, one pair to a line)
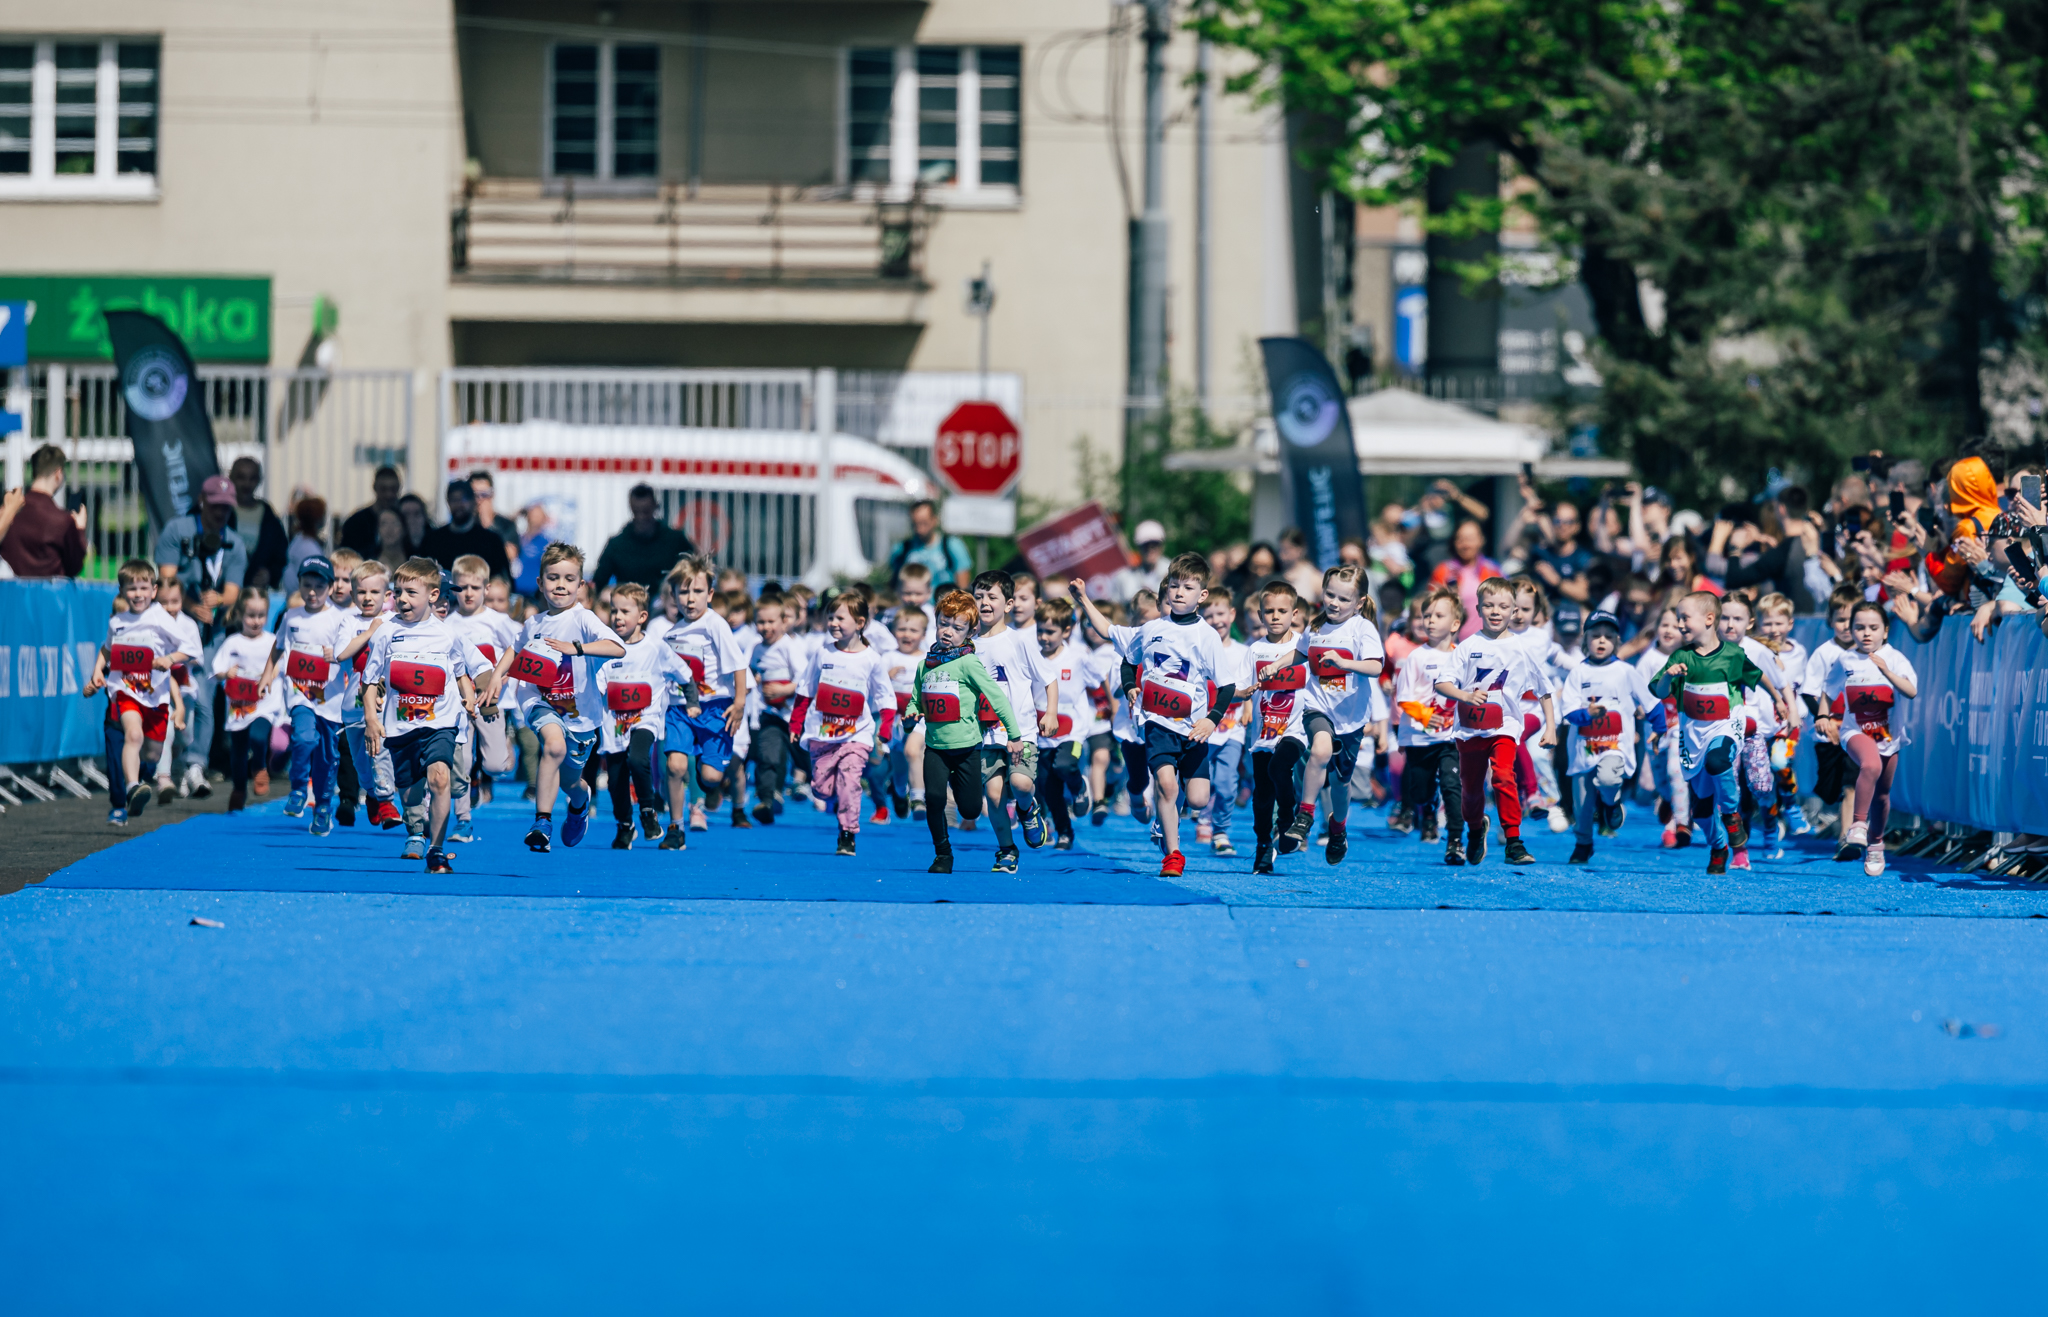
1081, 543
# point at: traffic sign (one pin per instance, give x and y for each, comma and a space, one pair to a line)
978, 450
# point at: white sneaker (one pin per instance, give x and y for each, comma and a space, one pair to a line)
185, 782
1857, 835
165, 789
195, 775
1558, 822
1873, 860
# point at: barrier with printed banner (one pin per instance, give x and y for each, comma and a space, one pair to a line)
50, 634
1974, 745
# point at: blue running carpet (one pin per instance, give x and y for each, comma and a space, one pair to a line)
754, 1077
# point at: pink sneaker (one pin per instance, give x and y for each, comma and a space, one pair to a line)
1740, 859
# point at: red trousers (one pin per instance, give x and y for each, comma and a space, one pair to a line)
1475, 756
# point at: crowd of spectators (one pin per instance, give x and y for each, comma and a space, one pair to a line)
1961, 539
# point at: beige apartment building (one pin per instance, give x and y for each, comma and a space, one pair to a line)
738, 184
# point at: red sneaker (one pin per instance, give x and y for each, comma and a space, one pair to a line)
881, 814
385, 814
1174, 865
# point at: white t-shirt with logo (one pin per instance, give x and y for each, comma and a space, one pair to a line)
1415, 694
239, 664
313, 678
782, 661
153, 630
634, 691
1865, 696
419, 665
1621, 692
1500, 669
1012, 658
710, 651
1180, 668
1280, 701
1069, 667
846, 692
1343, 696
563, 682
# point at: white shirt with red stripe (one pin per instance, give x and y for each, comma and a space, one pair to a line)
239, 663
635, 689
418, 664
846, 691
1865, 697
1342, 695
1069, 667
310, 677
1501, 669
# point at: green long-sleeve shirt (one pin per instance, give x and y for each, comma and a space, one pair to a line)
945, 697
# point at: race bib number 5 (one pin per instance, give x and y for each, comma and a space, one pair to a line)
412, 678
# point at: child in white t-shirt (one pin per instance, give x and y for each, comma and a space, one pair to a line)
254, 706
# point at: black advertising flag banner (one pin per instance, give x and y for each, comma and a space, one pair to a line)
167, 421
1318, 462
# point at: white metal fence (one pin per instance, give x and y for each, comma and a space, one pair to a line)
315, 432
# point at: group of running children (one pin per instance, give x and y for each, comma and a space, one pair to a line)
986, 699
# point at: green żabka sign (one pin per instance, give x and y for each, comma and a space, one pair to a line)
220, 319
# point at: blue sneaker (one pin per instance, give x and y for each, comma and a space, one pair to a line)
118, 817
415, 847
462, 831
1034, 826
295, 803
540, 836
323, 822
577, 823
1795, 820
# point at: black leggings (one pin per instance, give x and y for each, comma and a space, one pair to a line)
631, 771
1432, 770
1060, 776
960, 770
248, 751
770, 756
1275, 787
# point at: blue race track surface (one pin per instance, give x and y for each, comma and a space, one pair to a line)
756, 1078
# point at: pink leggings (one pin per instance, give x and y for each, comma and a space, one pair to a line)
1873, 782
836, 769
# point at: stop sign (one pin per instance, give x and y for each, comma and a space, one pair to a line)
978, 450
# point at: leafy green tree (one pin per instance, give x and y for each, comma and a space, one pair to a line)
1793, 218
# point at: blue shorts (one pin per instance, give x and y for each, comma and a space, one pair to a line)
703, 737
580, 744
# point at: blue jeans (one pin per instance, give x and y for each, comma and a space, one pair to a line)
381, 782
1225, 757
316, 758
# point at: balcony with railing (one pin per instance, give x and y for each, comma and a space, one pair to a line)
732, 236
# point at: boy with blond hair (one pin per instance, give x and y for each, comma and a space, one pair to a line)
561, 703
143, 703
704, 712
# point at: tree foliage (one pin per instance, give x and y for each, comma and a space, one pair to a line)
1824, 198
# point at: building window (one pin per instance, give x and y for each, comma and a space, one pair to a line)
948, 117
78, 118
604, 110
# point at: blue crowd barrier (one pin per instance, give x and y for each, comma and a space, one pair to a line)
50, 634
1975, 743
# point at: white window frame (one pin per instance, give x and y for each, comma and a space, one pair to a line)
42, 182
966, 189
607, 121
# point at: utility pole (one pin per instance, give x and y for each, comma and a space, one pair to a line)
1145, 402
1205, 103
981, 300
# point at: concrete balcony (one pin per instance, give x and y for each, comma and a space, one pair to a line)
520, 231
